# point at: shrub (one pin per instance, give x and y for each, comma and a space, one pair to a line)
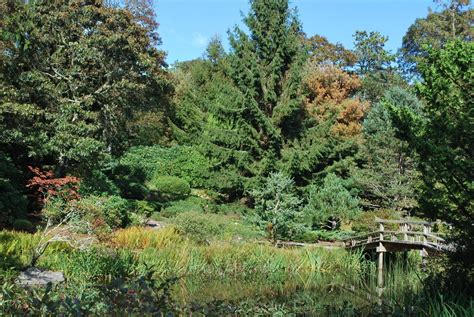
180, 161
191, 204
141, 211
366, 220
168, 188
143, 207
93, 213
113, 210
233, 208
199, 227
23, 225
277, 206
46, 185
130, 181
312, 236
98, 183
331, 201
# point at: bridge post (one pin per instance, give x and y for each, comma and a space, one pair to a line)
380, 251
424, 252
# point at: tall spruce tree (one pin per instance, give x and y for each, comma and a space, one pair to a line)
266, 68
242, 107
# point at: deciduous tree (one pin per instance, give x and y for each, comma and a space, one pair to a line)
74, 74
453, 21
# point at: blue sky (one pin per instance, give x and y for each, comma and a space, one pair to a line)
186, 26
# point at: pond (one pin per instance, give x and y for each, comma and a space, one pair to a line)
299, 294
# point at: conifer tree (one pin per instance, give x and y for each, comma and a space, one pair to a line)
266, 68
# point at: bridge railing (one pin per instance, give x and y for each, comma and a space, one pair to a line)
409, 232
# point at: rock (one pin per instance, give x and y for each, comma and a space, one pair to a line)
155, 225
36, 277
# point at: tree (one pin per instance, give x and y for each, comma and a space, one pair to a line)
323, 52
374, 65
387, 177
333, 125
240, 108
454, 21
215, 51
266, 66
331, 96
69, 94
371, 56
209, 116
443, 141
330, 203
277, 206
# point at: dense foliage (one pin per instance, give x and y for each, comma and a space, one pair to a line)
284, 134
442, 137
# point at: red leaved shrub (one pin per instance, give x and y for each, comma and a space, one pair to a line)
46, 185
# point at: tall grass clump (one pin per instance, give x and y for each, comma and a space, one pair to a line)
17, 248
170, 254
139, 238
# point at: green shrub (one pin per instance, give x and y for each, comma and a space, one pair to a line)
277, 206
331, 201
98, 183
312, 236
23, 225
92, 213
366, 220
164, 189
191, 204
180, 161
129, 180
233, 209
114, 210
198, 226
141, 211
143, 207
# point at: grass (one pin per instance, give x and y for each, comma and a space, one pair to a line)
16, 249
169, 252
262, 278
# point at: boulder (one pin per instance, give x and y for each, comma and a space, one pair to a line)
36, 277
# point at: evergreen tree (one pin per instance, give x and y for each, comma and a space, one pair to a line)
277, 205
443, 141
208, 115
242, 107
266, 68
387, 178
330, 204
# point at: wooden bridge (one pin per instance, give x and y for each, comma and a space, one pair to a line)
409, 235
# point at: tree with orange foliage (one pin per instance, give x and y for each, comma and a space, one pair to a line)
331, 96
